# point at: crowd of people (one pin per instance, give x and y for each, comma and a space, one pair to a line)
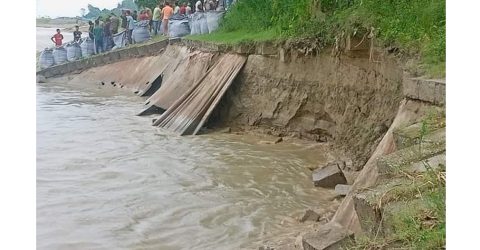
102, 29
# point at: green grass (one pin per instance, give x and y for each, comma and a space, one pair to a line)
420, 222
417, 27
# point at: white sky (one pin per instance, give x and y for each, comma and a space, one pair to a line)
71, 8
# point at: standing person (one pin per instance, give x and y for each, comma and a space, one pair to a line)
206, 5
167, 12
107, 35
199, 6
114, 24
183, 9
149, 14
143, 16
77, 34
57, 38
90, 29
130, 26
176, 8
124, 19
135, 15
98, 37
156, 19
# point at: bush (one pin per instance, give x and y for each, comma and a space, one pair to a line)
416, 26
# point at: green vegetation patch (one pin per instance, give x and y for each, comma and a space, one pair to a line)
416, 27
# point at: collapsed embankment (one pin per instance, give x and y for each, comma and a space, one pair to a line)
347, 100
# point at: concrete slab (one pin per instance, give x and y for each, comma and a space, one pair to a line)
328, 176
330, 236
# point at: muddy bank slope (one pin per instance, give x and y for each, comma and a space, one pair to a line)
349, 101
345, 100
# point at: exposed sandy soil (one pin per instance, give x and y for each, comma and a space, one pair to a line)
348, 101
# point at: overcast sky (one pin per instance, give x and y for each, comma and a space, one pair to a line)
56, 8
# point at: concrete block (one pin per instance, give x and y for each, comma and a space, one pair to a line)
432, 162
328, 176
440, 93
426, 91
368, 204
310, 215
342, 189
41, 78
400, 160
410, 88
330, 236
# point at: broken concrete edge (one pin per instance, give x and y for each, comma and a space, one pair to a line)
342, 189
328, 237
328, 176
427, 90
150, 49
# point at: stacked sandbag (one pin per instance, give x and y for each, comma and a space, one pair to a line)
141, 32
119, 40
74, 52
60, 55
46, 59
178, 26
203, 24
88, 47
195, 23
213, 20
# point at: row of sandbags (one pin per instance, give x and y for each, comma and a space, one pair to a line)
50, 57
69, 52
205, 22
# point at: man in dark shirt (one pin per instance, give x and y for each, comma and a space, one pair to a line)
114, 24
134, 15
124, 19
77, 35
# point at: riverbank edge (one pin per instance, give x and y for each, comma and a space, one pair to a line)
431, 92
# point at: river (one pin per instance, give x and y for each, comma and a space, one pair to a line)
44, 35
107, 179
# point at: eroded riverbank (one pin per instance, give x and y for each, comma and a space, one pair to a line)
106, 179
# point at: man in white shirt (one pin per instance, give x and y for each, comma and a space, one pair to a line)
130, 26
198, 6
176, 9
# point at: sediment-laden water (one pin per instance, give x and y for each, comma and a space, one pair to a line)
107, 179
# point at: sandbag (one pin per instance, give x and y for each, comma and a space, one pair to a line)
60, 55
178, 28
141, 32
195, 23
46, 59
203, 25
87, 47
213, 20
74, 52
120, 40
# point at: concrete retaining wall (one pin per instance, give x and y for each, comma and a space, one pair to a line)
427, 90
105, 58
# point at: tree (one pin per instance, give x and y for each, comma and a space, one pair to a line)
93, 12
147, 3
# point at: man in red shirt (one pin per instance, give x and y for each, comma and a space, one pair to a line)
57, 38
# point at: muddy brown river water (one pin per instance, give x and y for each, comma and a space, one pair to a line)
107, 179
